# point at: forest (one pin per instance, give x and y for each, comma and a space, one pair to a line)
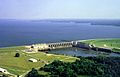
100, 66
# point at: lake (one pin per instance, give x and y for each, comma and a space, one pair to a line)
15, 33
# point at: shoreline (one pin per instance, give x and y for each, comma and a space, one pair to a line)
88, 41
61, 41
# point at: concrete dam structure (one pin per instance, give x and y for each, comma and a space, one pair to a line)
51, 46
60, 45
78, 44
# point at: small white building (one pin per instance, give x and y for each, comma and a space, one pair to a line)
3, 70
32, 60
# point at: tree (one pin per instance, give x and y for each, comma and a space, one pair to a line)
17, 55
33, 73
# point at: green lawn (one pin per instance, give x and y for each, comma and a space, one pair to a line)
21, 65
108, 43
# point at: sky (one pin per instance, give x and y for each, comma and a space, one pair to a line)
59, 9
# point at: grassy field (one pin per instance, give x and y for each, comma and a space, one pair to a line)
108, 43
20, 65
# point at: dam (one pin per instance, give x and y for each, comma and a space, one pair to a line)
51, 46
58, 45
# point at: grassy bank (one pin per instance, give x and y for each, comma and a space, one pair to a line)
20, 65
106, 43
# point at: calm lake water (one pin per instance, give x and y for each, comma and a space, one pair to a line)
26, 32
